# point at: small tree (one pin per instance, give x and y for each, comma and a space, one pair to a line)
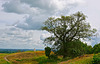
76, 48
96, 48
89, 49
47, 51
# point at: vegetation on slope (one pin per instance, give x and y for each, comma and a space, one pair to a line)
40, 58
86, 59
2, 60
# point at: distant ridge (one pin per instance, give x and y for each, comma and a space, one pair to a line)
17, 50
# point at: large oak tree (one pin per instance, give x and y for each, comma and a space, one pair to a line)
67, 29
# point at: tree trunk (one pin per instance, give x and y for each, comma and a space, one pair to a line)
64, 56
64, 50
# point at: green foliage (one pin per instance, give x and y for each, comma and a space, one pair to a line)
89, 50
53, 56
96, 48
44, 60
67, 29
41, 58
76, 48
96, 59
47, 51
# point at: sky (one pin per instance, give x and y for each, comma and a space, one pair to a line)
21, 20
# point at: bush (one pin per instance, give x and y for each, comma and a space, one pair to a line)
76, 48
96, 59
52, 56
47, 51
96, 48
89, 49
75, 52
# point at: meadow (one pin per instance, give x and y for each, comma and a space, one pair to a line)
2, 60
38, 57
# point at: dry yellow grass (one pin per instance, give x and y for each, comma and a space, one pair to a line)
86, 59
30, 56
17, 58
24, 55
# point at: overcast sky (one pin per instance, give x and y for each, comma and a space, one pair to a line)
21, 20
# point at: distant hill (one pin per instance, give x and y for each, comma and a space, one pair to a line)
17, 50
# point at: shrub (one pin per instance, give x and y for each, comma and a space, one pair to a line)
76, 48
96, 59
47, 51
96, 48
52, 56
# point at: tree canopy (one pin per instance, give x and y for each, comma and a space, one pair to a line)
67, 29
96, 48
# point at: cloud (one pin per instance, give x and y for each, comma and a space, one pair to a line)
17, 7
45, 35
38, 10
32, 23
13, 37
47, 5
52, 5
26, 33
31, 14
93, 41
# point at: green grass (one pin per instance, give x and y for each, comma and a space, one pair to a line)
45, 60
2, 60
29, 58
36, 60
83, 61
25, 61
86, 59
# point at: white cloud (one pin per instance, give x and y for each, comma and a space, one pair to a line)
45, 35
38, 10
32, 22
52, 5
19, 8
13, 37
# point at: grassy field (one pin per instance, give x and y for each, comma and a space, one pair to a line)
28, 57
86, 59
25, 57
39, 57
2, 60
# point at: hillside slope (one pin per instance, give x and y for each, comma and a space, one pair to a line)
30, 57
86, 59
2, 60
24, 57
